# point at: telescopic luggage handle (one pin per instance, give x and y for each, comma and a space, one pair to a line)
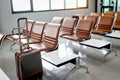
18, 23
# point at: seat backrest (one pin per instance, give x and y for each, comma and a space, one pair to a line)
68, 25
117, 13
109, 13
37, 30
84, 28
78, 17
106, 20
105, 23
95, 14
51, 34
94, 18
30, 24
117, 22
57, 20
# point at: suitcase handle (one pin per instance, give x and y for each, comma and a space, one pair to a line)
24, 18
18, 22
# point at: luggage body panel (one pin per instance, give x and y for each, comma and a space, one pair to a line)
28, 65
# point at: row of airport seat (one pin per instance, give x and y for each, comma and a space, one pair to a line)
116, 15
36, 32
103, 23
44, 36
77, 28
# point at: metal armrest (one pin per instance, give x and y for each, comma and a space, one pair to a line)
13, 30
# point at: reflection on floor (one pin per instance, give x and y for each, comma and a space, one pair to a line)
110, 70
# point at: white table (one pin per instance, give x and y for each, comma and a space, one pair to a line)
99, 44
114, 35
62, 56
58, 58
3, 76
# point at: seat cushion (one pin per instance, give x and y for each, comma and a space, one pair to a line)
75, 37
98, 32
42, 46
65, 33
15, 37
31, 41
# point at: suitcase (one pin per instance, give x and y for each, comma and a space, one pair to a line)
28, 60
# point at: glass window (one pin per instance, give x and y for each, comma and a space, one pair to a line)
39, 5
106, 2
57, 4
42, 5
118, 6
21, 5
71, 4
82, 3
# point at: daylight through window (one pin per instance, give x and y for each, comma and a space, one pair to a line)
19, 6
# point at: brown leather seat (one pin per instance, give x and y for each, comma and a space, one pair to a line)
82, 32
58, 20
95, 14
94, 18
50, 39
68, 26
105, 25
2, 37
109, 13
15, 37
36, 33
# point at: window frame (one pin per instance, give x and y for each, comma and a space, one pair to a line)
31, 11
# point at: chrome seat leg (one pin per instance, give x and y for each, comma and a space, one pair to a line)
77, 66
12, 45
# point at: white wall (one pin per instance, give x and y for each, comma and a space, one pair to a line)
8, 20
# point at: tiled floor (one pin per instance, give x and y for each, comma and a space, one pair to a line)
110, 70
